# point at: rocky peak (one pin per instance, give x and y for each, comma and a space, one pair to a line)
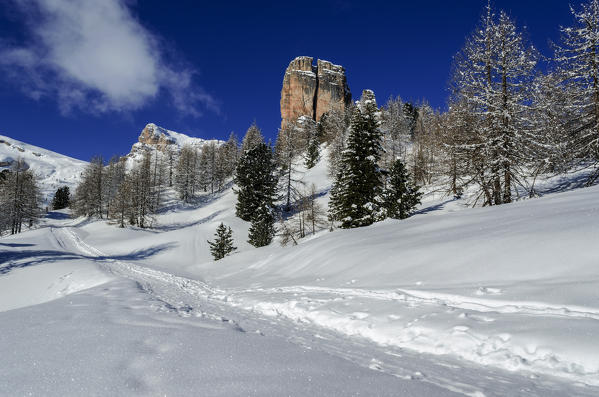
155, 136
312, 90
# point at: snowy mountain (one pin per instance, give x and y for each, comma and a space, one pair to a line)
153, 137
53, 169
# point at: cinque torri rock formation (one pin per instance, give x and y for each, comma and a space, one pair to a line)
312, 90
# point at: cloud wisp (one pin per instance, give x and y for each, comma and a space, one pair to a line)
95, 56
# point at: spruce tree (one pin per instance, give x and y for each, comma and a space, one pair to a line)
356, 194
61, 198
262, 229
256, 181
401, 195
223, 242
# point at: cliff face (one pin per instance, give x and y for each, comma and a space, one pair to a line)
155, 136
311, 91
333, 91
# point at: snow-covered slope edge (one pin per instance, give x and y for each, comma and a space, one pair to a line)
53, 169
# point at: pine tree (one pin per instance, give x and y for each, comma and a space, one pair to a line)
223, 242
401, 195
262, 229
356, 193
61, 198
256, 181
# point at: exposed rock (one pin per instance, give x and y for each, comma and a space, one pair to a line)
333, 91
311, 91
155, 136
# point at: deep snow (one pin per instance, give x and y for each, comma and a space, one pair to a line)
485, 301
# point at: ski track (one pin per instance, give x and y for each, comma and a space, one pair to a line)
222, 306
440, 299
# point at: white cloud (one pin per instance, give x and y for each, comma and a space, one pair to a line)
95, 56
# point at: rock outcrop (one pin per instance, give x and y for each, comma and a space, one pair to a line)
312, 90
155, 136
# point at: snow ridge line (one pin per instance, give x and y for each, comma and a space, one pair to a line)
448, 300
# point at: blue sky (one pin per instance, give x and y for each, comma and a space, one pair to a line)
83, 78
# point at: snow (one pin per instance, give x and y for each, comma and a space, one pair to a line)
481, 302
54, 170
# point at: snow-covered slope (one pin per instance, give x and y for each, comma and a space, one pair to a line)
53, 169
486, 301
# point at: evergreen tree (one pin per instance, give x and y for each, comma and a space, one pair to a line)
61, 199
262, 229
253, 137
401, 195
356, 194
223, 242
256, 181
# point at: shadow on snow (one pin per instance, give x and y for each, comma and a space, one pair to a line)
36, 257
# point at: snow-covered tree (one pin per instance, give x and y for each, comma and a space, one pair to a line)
253, 137
396, 128
356, 193
19, 198
493, 75
256, 181
334, 126
262, 229
229, 154
62, 198
401, 194
187, 173
223, 242
577, 58
89, 194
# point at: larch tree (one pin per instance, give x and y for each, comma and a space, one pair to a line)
577, 58
19, 198
186, 173
493, 74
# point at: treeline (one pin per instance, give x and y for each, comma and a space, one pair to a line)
513, 113
132, 194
